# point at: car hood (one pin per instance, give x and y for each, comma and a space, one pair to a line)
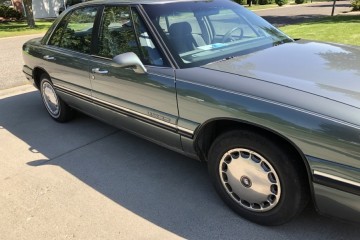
331, 71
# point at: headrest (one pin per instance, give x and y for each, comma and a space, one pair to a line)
180, 29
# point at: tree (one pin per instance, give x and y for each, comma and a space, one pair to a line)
333, 8
29, 13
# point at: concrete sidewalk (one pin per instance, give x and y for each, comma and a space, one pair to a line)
88, 180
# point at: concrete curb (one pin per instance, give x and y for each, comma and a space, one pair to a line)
5, 93
27, 35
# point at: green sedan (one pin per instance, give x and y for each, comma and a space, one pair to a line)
276, 120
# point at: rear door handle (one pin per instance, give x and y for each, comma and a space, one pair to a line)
97, 70
47, 57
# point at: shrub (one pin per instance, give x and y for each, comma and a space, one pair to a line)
299, 1
281, 2
9, 13
355, 5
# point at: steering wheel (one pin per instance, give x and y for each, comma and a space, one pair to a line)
227, 35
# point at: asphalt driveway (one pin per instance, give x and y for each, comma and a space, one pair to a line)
291, 14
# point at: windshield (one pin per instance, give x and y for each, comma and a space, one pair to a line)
199, 33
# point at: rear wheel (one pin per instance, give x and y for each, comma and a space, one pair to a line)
256, 178
57, 109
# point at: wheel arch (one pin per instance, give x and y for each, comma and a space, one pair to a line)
37, 72
211, 129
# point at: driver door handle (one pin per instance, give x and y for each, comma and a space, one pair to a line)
47, 57
97, 70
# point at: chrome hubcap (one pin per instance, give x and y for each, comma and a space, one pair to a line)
50, 99
250, 180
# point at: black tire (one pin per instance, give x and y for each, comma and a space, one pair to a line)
57, 108
256, 178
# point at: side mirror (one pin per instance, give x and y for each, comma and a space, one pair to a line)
130, 59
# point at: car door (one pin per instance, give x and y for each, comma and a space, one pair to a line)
148, 98
66, 55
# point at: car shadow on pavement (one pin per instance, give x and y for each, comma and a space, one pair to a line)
161, 186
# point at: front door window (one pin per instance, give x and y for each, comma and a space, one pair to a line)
123, 31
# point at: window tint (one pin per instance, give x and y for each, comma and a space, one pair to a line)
74, 32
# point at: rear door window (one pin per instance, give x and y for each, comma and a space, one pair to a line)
75, 31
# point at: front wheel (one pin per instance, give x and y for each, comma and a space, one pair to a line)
57, 109
256, 178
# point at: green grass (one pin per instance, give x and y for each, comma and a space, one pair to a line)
11, 29
339, 29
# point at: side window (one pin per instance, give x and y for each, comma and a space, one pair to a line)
117, 33
123, 31
57, 34
74, 32
150, 53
